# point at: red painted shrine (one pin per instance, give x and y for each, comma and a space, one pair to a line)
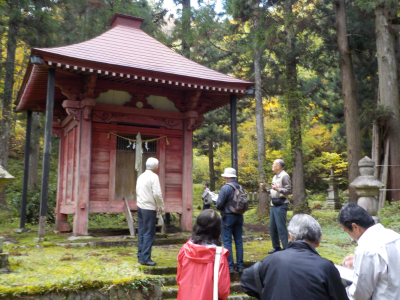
123, 82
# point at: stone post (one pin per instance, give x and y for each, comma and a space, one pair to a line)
367, 187
3, 256
332, 201
256, 200
4, 177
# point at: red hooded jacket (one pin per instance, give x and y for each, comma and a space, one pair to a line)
196, 272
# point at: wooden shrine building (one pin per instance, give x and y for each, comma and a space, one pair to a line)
101, 92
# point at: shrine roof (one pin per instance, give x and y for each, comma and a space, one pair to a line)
128, 52
133, 48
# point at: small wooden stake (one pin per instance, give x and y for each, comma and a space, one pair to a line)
129, 218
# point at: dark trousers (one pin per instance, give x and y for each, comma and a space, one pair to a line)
147, 233
277, 226
206, 206
233, 225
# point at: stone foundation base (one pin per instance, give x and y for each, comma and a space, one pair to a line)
63, 226
333, 204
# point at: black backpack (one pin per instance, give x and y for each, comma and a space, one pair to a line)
239, 204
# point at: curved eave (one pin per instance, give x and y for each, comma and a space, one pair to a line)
32, 93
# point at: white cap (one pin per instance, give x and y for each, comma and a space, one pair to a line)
229, 173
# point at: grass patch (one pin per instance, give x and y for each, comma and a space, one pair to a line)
390, 216
36, 270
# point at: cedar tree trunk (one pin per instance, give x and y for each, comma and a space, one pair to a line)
34, 152
6, 119
293, 102
389, 92
353, 133
186, 27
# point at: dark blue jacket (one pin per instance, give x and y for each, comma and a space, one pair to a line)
296, 273
225, 195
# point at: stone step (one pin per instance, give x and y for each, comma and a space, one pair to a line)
230, 297
126, 243
170, 280
241, 297
236, 288
159, 270
172, 270
171, 292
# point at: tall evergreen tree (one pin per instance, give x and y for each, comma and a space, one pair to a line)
385, 11
293, 98
255, 12
214, 131
13, 9
353, 133
183, 26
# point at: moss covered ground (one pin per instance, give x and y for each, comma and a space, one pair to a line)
39, 267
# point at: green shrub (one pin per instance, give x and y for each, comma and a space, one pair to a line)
316, 205
14, 192
197, 192
319, 197
390, 215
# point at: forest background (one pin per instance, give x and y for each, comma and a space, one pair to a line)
290, 48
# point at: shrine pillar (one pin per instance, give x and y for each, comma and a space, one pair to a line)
46, 152
234, 135
82, 112
187, 174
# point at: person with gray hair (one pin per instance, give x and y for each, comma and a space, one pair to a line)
149, 205
304, 227
298, 272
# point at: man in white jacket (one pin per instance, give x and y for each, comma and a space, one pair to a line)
376, 260
149, 204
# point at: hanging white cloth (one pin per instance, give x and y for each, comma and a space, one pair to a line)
138, 155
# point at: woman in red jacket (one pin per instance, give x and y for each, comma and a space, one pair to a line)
196, 261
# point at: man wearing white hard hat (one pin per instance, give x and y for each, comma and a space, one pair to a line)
232, 224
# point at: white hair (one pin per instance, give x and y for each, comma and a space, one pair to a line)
305, 227
151, 163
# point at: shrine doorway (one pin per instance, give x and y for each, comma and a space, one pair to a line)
125, 172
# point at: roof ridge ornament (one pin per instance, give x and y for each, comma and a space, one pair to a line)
126, 20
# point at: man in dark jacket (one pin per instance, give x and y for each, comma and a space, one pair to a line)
232, 224
298, 272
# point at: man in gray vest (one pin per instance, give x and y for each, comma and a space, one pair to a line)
280, 188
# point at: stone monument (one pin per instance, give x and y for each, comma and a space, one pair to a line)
367, 187
332, 201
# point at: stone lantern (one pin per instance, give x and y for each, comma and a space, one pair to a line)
4, 177
332, 201
367, 187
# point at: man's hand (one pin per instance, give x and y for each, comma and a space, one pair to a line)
262, 186
274, 187
348, 261
160, 210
